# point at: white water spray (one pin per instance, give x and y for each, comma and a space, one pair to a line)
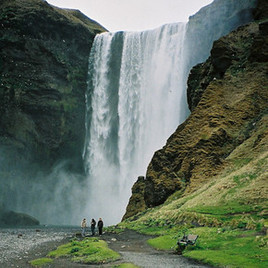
135, 87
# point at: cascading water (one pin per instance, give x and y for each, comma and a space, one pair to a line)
135, 100
136, 82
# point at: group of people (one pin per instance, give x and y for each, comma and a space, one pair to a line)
92, 226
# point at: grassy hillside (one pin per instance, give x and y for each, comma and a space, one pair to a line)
217, 160
229, 214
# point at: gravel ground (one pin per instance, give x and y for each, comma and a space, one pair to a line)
133, 248
159, 260
19, 246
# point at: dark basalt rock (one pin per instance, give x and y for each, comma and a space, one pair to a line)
44, 54
43, 70
137, 203
11, 218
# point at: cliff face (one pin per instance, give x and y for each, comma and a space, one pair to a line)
228, 98
43, 71
44, 54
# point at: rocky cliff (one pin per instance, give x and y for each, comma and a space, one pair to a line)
43, 69
228, 98
43, 73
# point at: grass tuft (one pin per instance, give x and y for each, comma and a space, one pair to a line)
88, 251
40, 262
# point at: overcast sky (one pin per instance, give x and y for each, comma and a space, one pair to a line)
134, 15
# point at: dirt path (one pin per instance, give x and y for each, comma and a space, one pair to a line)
131, 245
134, 248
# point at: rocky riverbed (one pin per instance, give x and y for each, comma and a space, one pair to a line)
19, 245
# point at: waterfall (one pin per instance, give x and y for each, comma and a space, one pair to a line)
136, 83
135, 100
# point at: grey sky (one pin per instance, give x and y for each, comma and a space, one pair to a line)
134, 15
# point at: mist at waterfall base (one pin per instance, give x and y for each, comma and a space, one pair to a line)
52, 198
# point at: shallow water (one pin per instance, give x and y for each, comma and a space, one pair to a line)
15, 243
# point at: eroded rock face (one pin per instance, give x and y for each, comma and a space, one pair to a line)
235, 98
44, 54
136, 203
228, 97
43, 70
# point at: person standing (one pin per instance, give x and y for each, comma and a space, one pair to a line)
83, 226
100, 226
93, 225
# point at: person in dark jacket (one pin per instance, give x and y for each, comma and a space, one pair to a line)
100, 226
93, 225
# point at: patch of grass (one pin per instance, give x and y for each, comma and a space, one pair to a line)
89, 250
228, 208
125, 265
244, 178
165, 242
226, 246
40, 262
115, 229
231, 248
240, 162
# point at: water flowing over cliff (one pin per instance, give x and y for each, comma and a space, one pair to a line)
137, 80
136, 98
